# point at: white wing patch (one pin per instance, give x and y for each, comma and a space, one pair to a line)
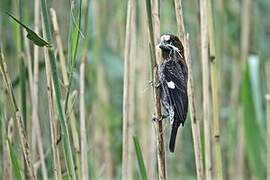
171, 85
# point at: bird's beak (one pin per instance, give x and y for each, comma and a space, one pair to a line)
163, 46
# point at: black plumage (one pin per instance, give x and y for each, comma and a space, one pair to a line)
173, 76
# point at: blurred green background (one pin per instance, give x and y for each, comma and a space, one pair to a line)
242, 65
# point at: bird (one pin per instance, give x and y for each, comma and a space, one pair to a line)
173, 78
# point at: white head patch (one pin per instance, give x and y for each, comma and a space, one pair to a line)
165, 38
171, 85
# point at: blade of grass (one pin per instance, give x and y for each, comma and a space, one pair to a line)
253, 138
255, 80
36, 39
73, 43
140, 158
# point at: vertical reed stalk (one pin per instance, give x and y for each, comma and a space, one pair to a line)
36, 133
19, 117
22, 76
62, 116
195, 124
206, 95
52, 120
217, 156
155, 58
34, 80
127, 96
84, 158
22, 68
59, 46
146, 135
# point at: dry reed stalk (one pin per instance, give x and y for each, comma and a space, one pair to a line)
180, 21
19, 118
33, 81
59, 46
128, 93
144, 97
158, 124
195, 124
36, 131
206, 95
52, 120
27, 57
84, 158
71, 114
133, 58
217, 156
54, 124
155, 58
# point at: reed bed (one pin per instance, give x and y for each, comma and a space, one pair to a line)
76, 102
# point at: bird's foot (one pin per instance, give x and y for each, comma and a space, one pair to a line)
156, 85
155, 119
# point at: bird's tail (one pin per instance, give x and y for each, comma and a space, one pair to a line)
172, 139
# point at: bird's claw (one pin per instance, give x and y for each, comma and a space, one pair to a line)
155, 119
156, 85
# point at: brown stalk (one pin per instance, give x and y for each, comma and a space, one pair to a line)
36, 131
128, 96
217, 156
143, 95
206, 94
158, 124
59, 46
153, 14
52, 120
19, 118
70, 114
195, 124
84, 158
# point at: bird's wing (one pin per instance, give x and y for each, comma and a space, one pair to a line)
176, 90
